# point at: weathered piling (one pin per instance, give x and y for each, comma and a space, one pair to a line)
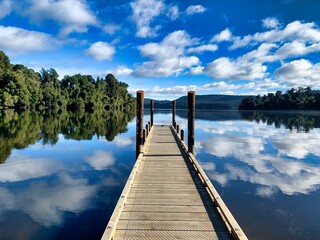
139, 122
151, 111
178, 129
182, 135
191, 117
174, 114
144, 135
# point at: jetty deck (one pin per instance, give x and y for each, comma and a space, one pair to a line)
168, 196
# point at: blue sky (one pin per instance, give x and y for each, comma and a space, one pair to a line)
169, 47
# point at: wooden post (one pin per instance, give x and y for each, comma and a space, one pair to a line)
182, 135
149, 126
151, 111
191, 117
178, 129
144, 135
139, 122
147, 130
174, 114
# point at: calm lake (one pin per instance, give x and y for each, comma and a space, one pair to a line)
61, 174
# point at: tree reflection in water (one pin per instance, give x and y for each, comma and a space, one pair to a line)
20, 129
301, 122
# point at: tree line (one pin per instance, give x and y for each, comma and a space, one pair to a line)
302, 98
23, 88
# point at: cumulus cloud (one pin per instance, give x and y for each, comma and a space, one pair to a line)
171, 66
173, 12
225, 35
194, 9
122, 71
144, 11
226, 68
5, 8
167, 57
18, 40
101, 51
295, 49
295, 40
299, 72
203, 48
270, 22
111, 28
74, 15
194, 71
179, 90
304, 32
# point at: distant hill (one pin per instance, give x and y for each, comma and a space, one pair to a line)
210, 102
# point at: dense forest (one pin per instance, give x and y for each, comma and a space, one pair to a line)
293, 99
23, 88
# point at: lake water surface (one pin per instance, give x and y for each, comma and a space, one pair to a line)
61, 174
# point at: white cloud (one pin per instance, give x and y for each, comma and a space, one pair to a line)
167, 57
173, 12
179, 90
122, 71
171, 66
203, 48
225, 68
299, 73
303, 32
18, 40
5, 8
193, 9
225, 35
101, 160
144, 11
294, 40
194, 71
295, 49
270, 22
74, 15
111, 28
101, 51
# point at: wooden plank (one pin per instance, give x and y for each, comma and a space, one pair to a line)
156, 235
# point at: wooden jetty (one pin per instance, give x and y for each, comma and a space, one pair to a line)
168, 195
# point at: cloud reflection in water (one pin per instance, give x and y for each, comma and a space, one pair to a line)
48, 188
274, 159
